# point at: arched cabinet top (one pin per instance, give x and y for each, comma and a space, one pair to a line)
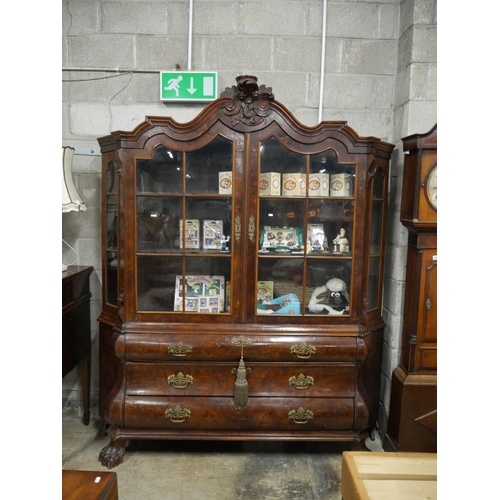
246, 108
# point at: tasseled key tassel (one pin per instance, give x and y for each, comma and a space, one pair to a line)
240, 399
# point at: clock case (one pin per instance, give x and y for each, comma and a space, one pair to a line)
412, 424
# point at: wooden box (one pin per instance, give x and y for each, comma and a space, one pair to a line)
391, 476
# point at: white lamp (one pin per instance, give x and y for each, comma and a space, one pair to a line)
71, 200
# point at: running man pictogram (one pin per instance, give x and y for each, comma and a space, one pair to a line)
173, 84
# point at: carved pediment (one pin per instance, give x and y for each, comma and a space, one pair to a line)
249, 103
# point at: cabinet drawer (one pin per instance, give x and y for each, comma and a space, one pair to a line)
284, 379
169, 347
216, 413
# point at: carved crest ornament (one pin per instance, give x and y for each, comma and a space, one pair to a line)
249, 103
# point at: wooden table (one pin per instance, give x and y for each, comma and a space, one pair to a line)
76, 336
89, 485
388, 476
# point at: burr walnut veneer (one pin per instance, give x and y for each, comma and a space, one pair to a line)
242, 275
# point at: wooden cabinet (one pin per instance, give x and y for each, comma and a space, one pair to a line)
412, 422
76, 336
242, 274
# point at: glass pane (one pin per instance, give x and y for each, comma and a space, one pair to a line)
327, 177
209, 169
281, 225
282, 172
378, 184
111, 178
205, 284
330, 227
280, 286
111, 278
328, 286
373, 282
158, 223
112, 221
163, 174
208, 224
156, 278
376, 230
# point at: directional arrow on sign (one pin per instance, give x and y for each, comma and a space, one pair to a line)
191, 88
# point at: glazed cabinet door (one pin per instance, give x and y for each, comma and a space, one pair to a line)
185, 228
304, 232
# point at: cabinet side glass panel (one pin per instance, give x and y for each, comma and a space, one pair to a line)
111, 232
376, 228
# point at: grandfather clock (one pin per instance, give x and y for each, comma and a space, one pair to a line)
412, 422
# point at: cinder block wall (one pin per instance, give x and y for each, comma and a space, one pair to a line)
380, 76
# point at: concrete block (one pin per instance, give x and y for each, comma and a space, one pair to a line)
344, 91
402, 87
82, 224
288, 88
79, 18
424, 11
272, 18
90, 119
393, 294
405, 15
215, 18
223, 52
432, 82
385, 390
135, 88
395, 264
64, 52
418, 79
86, 164
178, 17
292, 54
134, 17
167, 52
388, 21
394, 327
397, 234
307, 116
422, 116
375, 57
90, 86
102, 51
384, 97
89, 187
344, 20
373, 122
405, 45
424, 44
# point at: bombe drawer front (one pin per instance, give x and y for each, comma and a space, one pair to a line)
284, 379
171, 347
217, 413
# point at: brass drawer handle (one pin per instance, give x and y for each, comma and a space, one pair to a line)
177, 414
301, 382
300, 416
303, 350
180, 349
241, 341
180, 381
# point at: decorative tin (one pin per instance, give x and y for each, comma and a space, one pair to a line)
341, 185
270, 184
294, 184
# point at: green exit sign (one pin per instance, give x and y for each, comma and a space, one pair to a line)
188, 86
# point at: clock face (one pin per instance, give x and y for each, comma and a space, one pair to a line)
431, 187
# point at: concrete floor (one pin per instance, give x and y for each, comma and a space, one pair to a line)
212, 470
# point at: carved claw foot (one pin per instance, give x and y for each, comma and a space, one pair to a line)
112, 454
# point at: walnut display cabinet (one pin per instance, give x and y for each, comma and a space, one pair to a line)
412, 424
243, 258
